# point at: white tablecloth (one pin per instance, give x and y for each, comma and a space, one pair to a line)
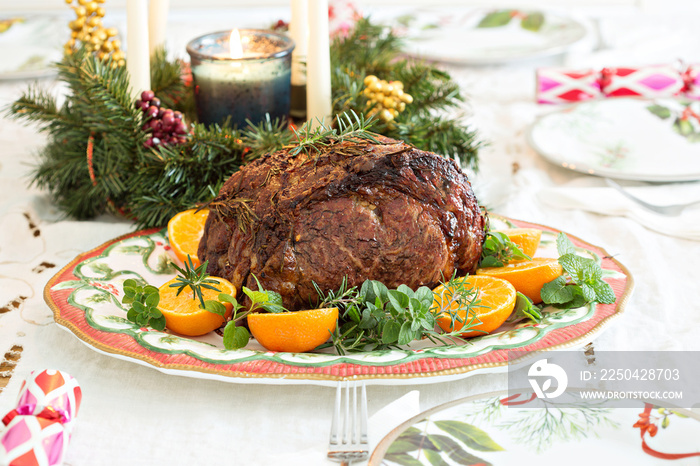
135, 415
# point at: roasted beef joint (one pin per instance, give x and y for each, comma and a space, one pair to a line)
354, 210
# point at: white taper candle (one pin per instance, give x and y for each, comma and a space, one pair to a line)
318, 68
157, 22
137, 59
299, 31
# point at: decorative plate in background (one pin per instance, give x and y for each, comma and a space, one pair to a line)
86, 299
623, 138
503, 429
488, 36
29, 45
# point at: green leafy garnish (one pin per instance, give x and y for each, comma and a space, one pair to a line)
236, 336
525, 309
374, 317
582, 282
498, 250
144, 305
194, 278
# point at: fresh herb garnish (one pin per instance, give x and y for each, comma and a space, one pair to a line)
144, 301
236, 336
498, 250
374, 317
195, 278
582, 282
525, 309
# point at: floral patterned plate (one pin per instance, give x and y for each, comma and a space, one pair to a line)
516, 429
30, 44
623, 138
86, 299
488, 36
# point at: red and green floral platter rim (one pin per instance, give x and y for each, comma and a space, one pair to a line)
85, 297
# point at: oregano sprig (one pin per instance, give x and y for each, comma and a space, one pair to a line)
144, 301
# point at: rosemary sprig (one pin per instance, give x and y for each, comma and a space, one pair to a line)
351, 127
194, 278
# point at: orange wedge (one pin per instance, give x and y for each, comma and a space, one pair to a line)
293, 332
183, 313
527, 239
527, 277
496, 301
185, 230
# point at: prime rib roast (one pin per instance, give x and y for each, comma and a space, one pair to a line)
354, 210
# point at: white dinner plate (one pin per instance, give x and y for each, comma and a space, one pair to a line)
515, 429
29, 45
488, 36
623, 138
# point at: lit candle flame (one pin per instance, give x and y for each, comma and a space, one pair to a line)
235, 44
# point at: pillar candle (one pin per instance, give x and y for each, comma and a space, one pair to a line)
318, 68
157, 21
137, 59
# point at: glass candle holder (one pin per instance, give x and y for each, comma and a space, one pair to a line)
242, 79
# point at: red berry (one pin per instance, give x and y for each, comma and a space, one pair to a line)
155, 101
148, 143
147, 95
152, 111
177, 115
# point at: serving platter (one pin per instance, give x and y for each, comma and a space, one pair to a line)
488, 36
29, 45
513, 429
86, 294
624, 138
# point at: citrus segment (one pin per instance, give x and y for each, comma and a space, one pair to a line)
293, 332
183, 313
494, 302
185, 230
527, 277
527, 239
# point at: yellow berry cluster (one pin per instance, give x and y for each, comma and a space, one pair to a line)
386, 98
88, 29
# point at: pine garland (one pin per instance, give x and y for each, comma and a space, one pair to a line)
95, 160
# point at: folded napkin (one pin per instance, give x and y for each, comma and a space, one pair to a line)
591, 194
379, 425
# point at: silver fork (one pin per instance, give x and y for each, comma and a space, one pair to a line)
348, 440
672, 210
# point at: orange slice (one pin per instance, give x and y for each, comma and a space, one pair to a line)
527, 239
496, 301
183, 313
527, 277
185, 230
293, 332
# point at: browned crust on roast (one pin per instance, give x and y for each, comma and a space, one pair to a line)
387, 212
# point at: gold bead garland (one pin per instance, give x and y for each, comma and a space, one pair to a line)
387, 99
88, 29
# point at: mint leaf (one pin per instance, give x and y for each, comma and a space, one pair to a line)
564, 245
604, 292
390, 332
556, 291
